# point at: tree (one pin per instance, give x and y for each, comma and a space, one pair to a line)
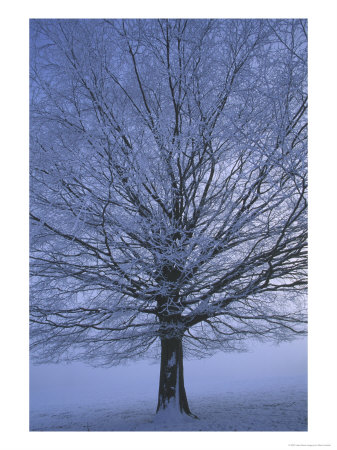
168, 189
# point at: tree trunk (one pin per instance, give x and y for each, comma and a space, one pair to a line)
172, 395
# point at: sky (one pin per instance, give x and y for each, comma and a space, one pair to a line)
77, 383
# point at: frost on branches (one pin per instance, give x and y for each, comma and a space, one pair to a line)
168, 189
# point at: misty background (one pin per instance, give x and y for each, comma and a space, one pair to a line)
262, 366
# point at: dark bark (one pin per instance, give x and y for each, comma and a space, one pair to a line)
171, 383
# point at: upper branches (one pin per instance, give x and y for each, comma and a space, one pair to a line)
168, 181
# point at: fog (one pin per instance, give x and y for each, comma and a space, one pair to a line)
77, 383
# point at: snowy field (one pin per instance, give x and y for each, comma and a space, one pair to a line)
278, 405
262, 390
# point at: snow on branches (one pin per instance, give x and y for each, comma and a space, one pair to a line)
168, 185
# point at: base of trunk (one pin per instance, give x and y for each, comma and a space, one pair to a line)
172, 398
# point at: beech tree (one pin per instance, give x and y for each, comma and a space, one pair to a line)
168, 189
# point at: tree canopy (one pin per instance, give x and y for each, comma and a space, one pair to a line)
168, 185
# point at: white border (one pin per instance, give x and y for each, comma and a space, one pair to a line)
14, 228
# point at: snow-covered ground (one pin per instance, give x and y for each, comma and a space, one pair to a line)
263, 390
274, 405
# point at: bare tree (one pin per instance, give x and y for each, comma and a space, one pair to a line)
168, 189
